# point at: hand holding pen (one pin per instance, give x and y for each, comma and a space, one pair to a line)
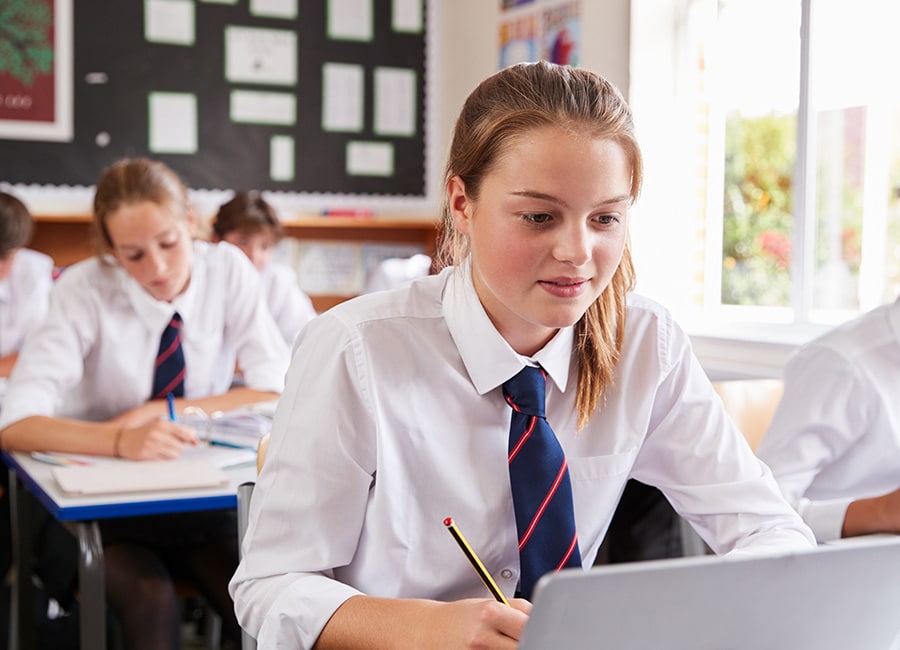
141, 434
476, 563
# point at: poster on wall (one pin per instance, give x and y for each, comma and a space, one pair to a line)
561, 34
545, 29
518, 40
509, 4
36, 70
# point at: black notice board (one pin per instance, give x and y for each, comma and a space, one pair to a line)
108, 37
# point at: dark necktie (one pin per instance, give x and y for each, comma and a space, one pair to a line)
539, 478
168, 373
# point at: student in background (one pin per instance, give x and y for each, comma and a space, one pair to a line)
249, 222
834, 440
394, 272
403, 418
25, 280
90, 381
26, 277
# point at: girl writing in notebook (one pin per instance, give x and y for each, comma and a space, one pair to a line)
420, 404
146, 317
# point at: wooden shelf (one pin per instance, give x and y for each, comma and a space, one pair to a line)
70, 238
65, 238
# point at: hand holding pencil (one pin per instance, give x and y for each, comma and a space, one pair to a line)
475, 561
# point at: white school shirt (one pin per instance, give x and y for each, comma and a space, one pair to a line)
393, 418
93, 356
835, 436
290, 306
23, 298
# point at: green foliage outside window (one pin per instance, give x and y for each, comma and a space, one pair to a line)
25, 49
756, 244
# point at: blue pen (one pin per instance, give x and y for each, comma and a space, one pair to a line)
233, 445
171, 398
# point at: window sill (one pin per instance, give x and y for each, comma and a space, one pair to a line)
748, 351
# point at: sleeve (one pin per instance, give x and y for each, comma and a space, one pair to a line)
42, 283
700, 460
261, 352
309, 503
290, 306
821, 415
51, 361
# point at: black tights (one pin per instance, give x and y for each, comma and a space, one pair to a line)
140, 588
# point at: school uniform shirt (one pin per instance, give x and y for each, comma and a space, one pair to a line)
393, 419
23, 298
396, 271
835, 436
93, 356
290, 306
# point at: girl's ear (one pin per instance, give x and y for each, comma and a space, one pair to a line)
461, 207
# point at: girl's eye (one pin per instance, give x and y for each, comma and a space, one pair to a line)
538, 217
606, 219
135, 258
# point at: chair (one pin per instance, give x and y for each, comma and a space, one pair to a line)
751, 404
244, 495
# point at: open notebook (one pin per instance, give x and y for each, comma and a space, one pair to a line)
836, 597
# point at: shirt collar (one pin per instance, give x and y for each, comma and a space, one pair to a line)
487, 356
157, 313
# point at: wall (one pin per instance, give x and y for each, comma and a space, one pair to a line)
467, 52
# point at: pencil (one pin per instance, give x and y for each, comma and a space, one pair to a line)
476, 563
171, 398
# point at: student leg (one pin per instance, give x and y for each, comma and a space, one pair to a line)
208, 561
140, 591
209, 567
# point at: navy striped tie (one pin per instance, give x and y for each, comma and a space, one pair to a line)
169, 371
541, 488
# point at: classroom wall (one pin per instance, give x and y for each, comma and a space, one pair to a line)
467, 51
464, 49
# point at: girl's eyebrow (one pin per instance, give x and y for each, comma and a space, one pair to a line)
532, 194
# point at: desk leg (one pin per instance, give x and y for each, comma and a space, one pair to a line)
91, 586
21, 614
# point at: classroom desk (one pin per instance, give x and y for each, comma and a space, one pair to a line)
82, 514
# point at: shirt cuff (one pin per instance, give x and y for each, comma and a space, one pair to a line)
299, 614
826, 518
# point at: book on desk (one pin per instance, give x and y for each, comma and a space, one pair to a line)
226, 439
241, 428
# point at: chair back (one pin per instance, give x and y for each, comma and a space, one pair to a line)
751, 404
244, 496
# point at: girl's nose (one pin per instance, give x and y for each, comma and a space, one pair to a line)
156, 260
573, 245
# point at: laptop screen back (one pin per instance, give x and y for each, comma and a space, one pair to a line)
838, 596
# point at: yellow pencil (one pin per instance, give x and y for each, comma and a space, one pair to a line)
476, 563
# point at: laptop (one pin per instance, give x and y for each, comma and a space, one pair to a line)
839, 596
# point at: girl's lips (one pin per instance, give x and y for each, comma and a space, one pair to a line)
564, 287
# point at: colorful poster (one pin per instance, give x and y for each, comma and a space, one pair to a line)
562, 34
36, 70
518, 40
509, 4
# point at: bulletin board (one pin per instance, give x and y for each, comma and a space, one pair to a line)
306, 96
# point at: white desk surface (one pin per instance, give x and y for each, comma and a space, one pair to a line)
38, 478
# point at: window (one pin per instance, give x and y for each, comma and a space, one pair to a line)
771, 131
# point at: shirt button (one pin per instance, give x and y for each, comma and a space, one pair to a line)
506, 574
